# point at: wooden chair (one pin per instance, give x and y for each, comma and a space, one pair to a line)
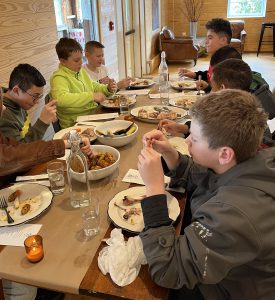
56, 125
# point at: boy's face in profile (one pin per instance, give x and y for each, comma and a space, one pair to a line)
27, 99
74, 61
199, 148
214, 41
95, 57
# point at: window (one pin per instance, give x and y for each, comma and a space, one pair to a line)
76, 19
246, 8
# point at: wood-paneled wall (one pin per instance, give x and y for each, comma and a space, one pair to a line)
28, 35
218, 9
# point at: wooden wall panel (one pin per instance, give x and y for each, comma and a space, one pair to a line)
108, 38
28, 35
214, 9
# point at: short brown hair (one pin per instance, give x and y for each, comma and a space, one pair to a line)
93, 44
231, 118
233, 73
66, 46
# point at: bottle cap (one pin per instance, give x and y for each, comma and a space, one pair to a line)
163, 55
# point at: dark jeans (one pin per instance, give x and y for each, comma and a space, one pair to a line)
186, 294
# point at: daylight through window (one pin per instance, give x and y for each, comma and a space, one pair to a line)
246, 8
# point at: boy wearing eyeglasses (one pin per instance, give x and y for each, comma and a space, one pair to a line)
24, 92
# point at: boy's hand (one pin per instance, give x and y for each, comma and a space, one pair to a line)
187, 73
124, 83
157, 140
112, 86
86, 146
99, 97
172, 127
104, 80
150, 168
48, 113
201, 84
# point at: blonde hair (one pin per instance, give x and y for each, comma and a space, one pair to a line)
232, 118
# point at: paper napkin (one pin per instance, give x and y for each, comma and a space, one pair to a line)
15, 235
97, 117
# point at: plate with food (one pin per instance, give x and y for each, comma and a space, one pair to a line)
184, 85
153, 114
184, 101
141, 84
26, 202
125, 212
113, 102
63, 134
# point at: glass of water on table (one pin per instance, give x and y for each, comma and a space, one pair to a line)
55, 171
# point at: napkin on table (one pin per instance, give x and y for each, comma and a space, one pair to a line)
122, 259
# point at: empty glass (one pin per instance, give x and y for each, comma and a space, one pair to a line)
55, 171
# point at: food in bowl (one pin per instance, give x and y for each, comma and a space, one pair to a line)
116, 133
100, 161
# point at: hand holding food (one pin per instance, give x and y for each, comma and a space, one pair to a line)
150, 169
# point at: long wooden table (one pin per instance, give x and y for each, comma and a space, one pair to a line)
93, 282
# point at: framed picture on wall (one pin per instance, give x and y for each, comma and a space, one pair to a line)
155, 15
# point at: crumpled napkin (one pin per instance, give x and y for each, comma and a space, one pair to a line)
122, 259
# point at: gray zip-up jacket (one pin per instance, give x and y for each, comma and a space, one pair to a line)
228, 250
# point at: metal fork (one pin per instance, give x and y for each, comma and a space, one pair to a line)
4, 205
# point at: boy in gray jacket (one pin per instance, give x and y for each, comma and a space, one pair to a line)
228, 250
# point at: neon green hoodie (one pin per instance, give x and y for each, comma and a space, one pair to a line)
74, 92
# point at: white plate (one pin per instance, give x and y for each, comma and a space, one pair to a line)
61, 133
186, 85
139, 84
179, 144
29, 190
181, 113
109, 104
184, 101
116, 214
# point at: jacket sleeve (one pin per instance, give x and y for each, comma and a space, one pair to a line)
11, 127
16, 157
35, 132
203, 75
60, 90
209, 249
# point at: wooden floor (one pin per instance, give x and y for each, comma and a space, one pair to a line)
263, 64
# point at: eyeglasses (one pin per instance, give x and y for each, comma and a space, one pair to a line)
34, 97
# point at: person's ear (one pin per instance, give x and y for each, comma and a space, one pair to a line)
226, 155
222, 87
16, 90
63, 61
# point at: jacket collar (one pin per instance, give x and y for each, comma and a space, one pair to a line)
68, 71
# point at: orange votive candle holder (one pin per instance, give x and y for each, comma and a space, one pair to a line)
34, 248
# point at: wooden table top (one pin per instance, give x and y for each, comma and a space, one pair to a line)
94, 282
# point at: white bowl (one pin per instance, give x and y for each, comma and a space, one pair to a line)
102, 173
117, 141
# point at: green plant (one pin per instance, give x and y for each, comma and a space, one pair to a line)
192, 9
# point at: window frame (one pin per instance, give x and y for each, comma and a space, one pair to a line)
230, 16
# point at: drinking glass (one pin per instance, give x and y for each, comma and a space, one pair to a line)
123, 105
90, 217
55, 171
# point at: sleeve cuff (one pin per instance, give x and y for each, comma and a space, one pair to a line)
155, 211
